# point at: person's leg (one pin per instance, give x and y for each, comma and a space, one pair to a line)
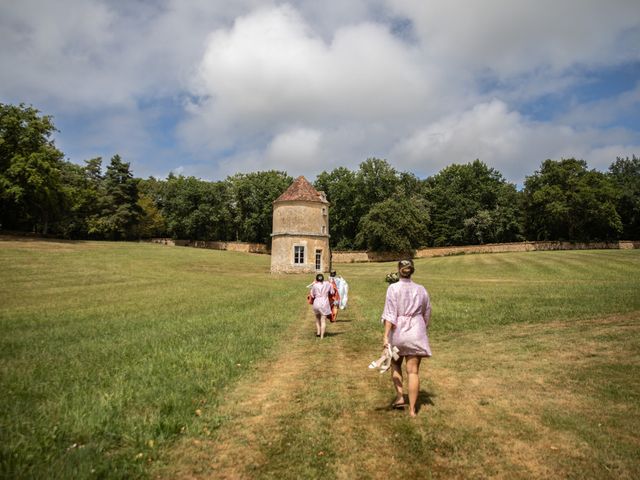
318, 324
396, 378
323, 325
413, 372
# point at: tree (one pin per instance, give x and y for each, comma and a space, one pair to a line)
625, 174
472, 204
30, 169
216, 210
151, 195
376, 181
119, 211
352, 195
82, 188
151, 223
177, 198
397, 224
253, 195
565, 201
340, 188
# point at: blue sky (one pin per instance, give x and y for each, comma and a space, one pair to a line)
211, 88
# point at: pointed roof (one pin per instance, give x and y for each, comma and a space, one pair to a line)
301, 189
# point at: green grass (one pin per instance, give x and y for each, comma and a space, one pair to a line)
108, 349
112, 352
521, 335
475, 292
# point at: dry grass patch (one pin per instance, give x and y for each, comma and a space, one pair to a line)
509, 403
538, 402
315, 412
43, 244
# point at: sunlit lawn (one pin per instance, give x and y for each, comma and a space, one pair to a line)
107, 349
110, 352
536, 367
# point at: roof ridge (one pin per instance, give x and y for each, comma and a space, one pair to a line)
301, 189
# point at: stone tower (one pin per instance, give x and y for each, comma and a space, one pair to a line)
300, 238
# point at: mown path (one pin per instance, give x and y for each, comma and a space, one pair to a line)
314, 412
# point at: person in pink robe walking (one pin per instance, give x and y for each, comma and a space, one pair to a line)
320, 291
406, 315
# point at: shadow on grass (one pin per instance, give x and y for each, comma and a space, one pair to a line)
30, 238
332, 334
424, 398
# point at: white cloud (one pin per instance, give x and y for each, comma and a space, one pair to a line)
507, 141
295, 147
509, 37
308, 86
271, 69
80, 54
49, 44
487, 131
603, 111
602, 158
417, 104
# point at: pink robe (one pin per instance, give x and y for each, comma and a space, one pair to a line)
408, 308
320, 292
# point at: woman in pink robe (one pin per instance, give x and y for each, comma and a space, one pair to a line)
406, 315
320, 291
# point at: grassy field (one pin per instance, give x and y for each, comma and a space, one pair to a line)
108, 349
536, 367
116, 359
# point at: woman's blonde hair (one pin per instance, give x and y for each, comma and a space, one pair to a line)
406, 268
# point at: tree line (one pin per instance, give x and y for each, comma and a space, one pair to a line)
375, 207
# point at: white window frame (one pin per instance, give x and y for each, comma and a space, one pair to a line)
318, 260
299, 253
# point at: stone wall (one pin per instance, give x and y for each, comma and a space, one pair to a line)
230, 246
362, 256
355, 257
524, 247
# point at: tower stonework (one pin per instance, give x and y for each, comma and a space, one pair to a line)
300, 236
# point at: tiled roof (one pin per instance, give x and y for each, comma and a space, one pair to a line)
301, 189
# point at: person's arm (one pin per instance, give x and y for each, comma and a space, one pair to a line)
388, 315
387, 328
426, 314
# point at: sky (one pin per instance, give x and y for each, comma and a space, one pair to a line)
211, 88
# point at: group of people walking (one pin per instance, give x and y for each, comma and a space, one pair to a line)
327, 298
405, 317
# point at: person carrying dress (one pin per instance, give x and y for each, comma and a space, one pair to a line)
334, 298
406, 315
320, 291
343, 291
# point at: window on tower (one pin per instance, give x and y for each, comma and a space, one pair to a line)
298, 254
